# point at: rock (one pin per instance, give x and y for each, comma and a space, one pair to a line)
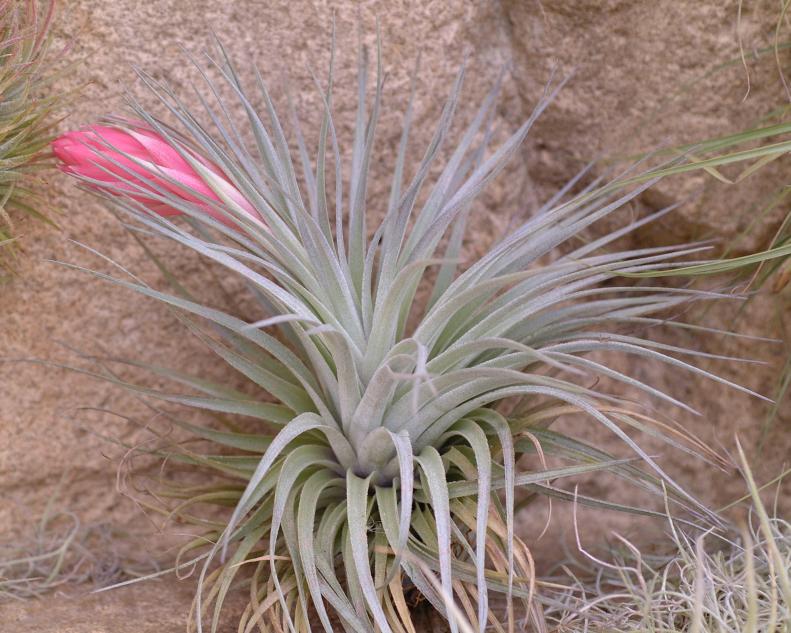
156, 606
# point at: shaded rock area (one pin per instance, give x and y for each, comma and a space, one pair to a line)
641, 79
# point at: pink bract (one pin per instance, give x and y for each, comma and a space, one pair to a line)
142, 165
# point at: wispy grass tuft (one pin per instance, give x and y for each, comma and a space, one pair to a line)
63, 553
732, 580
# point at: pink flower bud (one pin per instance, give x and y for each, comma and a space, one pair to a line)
140, 164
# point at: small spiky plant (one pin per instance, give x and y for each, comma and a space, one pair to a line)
388, 431
24, 124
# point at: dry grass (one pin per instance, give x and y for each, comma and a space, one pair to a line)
62, 552
734, 581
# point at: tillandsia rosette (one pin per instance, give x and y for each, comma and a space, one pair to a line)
384, 462
25, 125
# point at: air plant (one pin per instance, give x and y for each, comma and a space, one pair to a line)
388, 433
25, 125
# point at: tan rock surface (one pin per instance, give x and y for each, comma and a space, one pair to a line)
153, 607
629, 56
